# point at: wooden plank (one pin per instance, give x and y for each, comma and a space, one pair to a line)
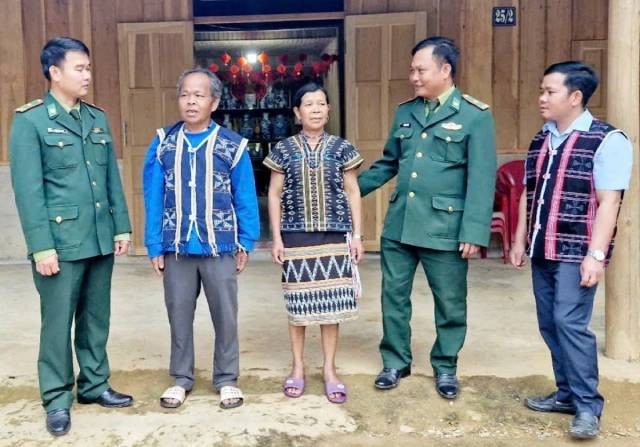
217, 20
506, 47
106, 82
130, 11
178, 10
12, 79
56, 18
402, 6
33, 25
353, 7
153, 11
532, 64
432, 8
622, 308
559, 30
478, 50
375, 6
451, 18
590, 19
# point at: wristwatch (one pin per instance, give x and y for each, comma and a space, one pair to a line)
598, 255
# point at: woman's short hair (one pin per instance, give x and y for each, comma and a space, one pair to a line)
309, 87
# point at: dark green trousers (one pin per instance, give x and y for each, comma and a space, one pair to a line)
81, 289
446, 274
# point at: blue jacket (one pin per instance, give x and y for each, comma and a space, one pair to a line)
234, 221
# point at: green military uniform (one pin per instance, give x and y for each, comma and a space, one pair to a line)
70, 199
445, 163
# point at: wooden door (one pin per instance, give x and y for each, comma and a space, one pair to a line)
151, 57
378, 56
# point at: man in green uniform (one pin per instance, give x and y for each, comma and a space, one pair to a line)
441, 147
74, 218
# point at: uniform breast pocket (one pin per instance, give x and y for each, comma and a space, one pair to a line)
63, 222
448, 146
101, 143
403, 135
60, 152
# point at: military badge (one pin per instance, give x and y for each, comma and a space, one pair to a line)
451, 126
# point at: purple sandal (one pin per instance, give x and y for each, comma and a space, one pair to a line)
339, 389
293, 383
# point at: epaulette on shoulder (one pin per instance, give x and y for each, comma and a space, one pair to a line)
471, 100
93, 106
29, 105
407, 101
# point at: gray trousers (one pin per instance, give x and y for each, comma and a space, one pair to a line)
183, 277
564, 311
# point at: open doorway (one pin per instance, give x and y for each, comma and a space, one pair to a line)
261, 67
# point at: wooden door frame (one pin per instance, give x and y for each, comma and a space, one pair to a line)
129, 177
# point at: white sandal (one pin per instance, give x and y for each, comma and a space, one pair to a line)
177, 393
230, 392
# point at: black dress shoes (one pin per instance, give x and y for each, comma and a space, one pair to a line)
584, 426
549, 404
58, 422
389, 377
109, 399
447, 385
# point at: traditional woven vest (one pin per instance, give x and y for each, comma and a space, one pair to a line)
561, 198
202, 203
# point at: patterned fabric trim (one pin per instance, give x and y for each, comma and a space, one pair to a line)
317, 281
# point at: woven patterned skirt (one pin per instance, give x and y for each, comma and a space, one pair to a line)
317, 278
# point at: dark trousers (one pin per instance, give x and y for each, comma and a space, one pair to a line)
446, 274
564, 310
81, 289
183, 277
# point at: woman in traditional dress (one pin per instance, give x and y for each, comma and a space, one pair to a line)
314, 212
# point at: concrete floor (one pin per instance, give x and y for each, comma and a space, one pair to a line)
504, 359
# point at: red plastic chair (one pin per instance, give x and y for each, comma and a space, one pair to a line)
499, 225
508, 190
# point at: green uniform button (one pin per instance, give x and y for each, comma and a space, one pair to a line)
103, 142
414, 174
412, 194
61, 143
58, 219
450, 209
97, 204
448, 139
93, 183
424, 135
419, 155
88, 163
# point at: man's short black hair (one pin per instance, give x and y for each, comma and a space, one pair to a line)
444, 49
55, 51
577, 76
309, 87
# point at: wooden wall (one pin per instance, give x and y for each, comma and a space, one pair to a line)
25, 25
502, 66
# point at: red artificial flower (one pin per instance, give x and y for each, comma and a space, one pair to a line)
297, 68
263, 58
225, 58
247, 68
241, 61
281, 69
213, 68
266, 68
